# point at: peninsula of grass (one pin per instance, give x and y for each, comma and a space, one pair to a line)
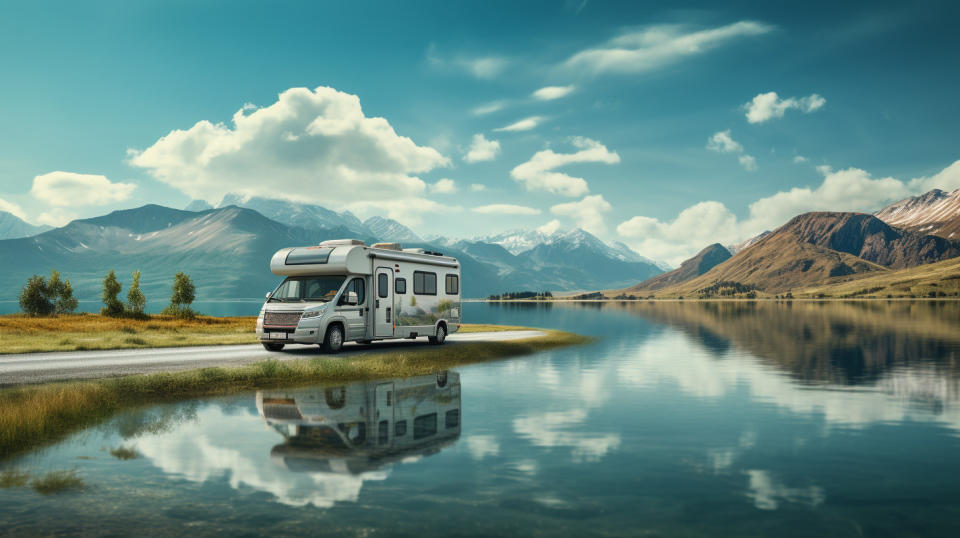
82, 332
37, 415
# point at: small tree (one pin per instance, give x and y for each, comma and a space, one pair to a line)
35, 297
136, 301
184, 292
111, 288
61, 292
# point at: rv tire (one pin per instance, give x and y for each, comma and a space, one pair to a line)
441, 336
333, 341
272, 347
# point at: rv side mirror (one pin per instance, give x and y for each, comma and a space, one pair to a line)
268, 294
351, 298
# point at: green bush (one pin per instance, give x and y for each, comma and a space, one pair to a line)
111, 288
43, 298
184, 292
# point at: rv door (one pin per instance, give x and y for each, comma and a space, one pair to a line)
383, 307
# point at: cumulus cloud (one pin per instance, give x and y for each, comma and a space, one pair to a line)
654, 47
444, 186
697, 226
482, 149
587, 213
506, 209
56, 217
13, 209
768, 106
723, 142
311, 146
538, 174
550, 228
549, 93
477, 187
72, 189
800, 159
525, 124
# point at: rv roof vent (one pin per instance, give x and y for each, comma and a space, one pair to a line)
341, 243
387, 246
414, 250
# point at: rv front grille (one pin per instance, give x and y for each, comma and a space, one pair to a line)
281, 319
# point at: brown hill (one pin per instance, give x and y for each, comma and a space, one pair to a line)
707, 259
936, 213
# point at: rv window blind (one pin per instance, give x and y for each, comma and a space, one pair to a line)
400, 286
309, 255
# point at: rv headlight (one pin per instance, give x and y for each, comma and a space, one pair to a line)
313, 313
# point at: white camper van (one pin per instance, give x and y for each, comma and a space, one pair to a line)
343, 290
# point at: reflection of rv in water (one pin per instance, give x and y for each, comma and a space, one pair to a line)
343, 290
363, 426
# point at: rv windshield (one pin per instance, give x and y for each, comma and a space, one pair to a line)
307, 289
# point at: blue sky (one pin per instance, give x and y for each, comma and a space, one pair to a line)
648, 109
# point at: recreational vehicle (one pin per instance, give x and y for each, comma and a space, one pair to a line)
343, 290
364, 426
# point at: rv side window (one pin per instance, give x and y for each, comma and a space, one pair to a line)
383, 285
453, 284
424, 426
424, 283
356, 286
400, 286
452, 419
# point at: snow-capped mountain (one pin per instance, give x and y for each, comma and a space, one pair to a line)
519, 241
936, 212
12, 227
516, 241
747, 242
386, 229
309, 216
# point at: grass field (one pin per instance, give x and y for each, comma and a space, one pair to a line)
77, 332
36, 415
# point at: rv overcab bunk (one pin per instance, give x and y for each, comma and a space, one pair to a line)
343, 290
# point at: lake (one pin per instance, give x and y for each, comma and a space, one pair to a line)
696, 419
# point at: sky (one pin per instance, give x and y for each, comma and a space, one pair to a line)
667, 128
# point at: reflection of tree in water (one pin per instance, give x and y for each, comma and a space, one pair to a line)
153, 420
847, 343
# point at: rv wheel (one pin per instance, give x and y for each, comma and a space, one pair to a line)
272, 347
441, 335
334, 340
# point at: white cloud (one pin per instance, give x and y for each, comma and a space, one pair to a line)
506, 209
482, 446
800, 159
523, 125
549, 93
482, 149
768, 106
477, 187
482, 67
767, 492
722, 142
311, 146
13, 209
851, 189
444, 186
410, 212
587, 213
488, 108
56, 217
550, 228
538, 174
654, 47
72, 189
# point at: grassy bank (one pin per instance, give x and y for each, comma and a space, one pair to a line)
41, 414
77, 332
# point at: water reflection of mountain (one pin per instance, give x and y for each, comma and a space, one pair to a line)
362, 427
847, 343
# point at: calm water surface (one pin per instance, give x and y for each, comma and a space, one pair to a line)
716, 419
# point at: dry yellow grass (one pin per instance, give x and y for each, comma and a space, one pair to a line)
36, 415
24, 334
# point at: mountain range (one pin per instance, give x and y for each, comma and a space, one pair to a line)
13, 227
828, 248
227, 249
